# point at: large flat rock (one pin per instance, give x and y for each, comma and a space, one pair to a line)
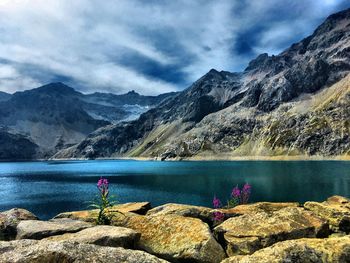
203, 213
111, 236
91, 215
267, 207
306, 250
176, 238
35, 229
10, 219
33, 251
250, 232
206, 214
336, 210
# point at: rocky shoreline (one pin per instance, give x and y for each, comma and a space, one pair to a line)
259, 232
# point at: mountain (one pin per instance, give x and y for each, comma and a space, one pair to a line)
4, 96
56, 116
294, 103
16, 146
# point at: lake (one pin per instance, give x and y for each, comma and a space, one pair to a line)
48, 188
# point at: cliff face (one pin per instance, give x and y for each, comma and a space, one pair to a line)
295, 103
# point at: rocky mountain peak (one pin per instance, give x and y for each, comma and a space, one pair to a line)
267, 85
132, 92
56, 88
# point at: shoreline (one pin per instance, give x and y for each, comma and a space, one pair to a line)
200, 158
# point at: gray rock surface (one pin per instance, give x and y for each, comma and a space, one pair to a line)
10, 219
35, 229
110, 236
33, 251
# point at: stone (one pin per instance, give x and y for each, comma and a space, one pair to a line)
110, 236
9, 221
91, 215
203, 213
267, 207
253, 231
33, 251
35, 229
305, 250
176, 238
336, 210
206, 214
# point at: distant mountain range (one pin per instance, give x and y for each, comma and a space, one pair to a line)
39, 122
292, 104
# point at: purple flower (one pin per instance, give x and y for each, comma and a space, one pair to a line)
218, 216
216, 202
236, 193
247, 188
102, 185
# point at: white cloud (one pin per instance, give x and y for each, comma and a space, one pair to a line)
89, 41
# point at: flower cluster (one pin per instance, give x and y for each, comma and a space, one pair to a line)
245, 194
218, 216
102, 202
238, 196
102, 186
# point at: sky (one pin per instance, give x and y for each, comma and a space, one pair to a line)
152, 46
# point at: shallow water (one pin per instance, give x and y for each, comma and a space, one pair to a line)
48, 188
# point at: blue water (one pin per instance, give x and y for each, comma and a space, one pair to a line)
48, 188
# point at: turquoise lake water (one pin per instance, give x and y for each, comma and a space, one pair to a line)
48, 188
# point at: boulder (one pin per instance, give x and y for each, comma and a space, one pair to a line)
91, 215
33, 251
110, 236
267, 207
203, 213
140, 208
176, 238
9, 221
300, 251
250, 232
35, 229
336, 210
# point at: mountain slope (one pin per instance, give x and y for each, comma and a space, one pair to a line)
52, 116
16, 146
247, 113
55, 116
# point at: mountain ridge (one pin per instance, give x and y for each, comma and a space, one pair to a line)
55, 116
182, 126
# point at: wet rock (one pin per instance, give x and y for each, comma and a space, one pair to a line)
91, 215
336, 210
33, 251
35, 229
9, 221
300, 251
250, 232
110, 236
177, 238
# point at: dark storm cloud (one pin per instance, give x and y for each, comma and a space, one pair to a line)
149, 46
